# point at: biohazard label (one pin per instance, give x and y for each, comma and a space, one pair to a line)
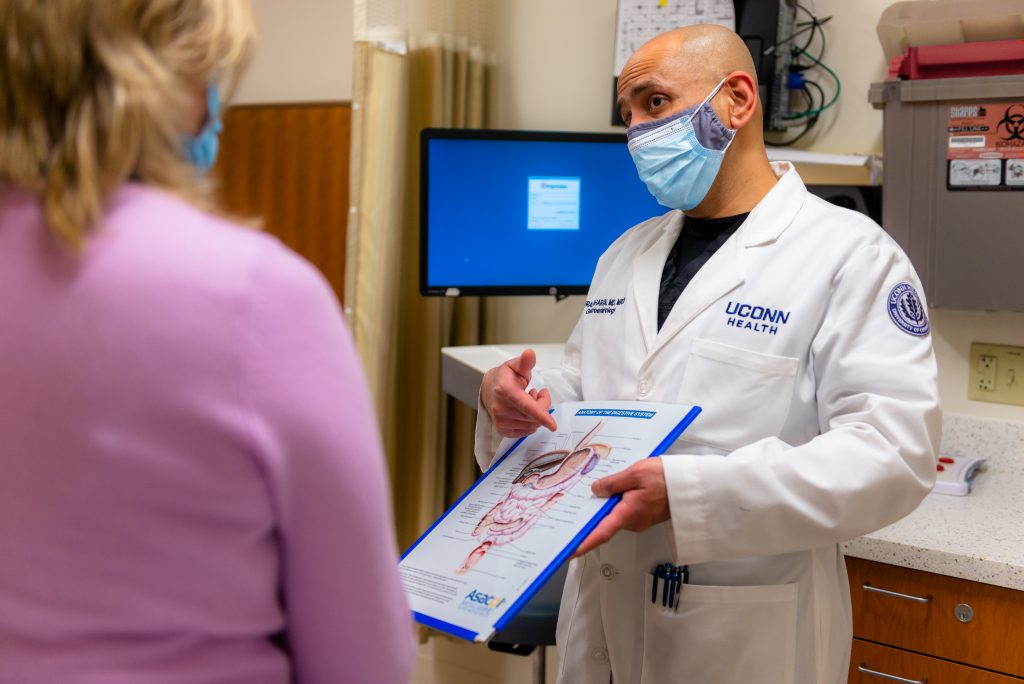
985, 146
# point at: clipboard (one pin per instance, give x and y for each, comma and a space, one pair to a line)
477, 565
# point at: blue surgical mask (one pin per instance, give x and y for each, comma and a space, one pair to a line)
678, 157
201, 150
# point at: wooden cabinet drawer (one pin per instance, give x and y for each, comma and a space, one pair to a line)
869, 663
990, 639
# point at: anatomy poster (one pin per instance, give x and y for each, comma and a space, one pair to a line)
485, 557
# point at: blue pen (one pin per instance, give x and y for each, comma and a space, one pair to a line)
658, 572
667, 570
673, 590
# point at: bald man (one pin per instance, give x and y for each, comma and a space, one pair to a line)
799, 328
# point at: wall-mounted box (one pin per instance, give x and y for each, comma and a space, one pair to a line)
953, 186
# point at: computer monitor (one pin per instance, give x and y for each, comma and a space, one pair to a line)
516, 212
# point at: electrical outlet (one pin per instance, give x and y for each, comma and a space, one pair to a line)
996, 374
987, 373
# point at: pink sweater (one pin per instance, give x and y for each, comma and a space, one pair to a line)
189, 463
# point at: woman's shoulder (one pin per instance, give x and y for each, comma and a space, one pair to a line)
166, 237
150, 214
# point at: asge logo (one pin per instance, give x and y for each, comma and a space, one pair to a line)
480, 603
485, 599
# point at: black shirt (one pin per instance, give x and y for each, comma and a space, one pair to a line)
698, 240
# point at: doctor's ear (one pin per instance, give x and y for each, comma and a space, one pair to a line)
741, 100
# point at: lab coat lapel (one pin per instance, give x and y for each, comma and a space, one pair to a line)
647, 270
725, 270
722, 273
776, 211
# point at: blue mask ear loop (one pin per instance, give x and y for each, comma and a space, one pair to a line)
708, 99
202, 149
213, 108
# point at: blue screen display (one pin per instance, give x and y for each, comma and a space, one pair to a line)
527, 213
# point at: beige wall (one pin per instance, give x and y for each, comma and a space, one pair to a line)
555, 62
304, 53
953, 333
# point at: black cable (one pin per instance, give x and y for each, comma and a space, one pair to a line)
808, 96
822, 32
803, 132
797, 137
812, 106
835, 96
815, 25
808, 26
821, 91
809, 116
809, 124
792, 140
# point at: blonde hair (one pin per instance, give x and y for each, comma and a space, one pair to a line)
96, 92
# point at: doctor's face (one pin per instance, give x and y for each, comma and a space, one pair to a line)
653, 84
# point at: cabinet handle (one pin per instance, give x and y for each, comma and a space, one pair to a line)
875, 590
891, 678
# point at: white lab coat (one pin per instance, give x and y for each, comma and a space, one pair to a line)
820, 423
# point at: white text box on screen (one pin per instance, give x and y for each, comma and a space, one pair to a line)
553, 203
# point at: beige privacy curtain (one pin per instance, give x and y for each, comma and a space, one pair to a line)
418, 63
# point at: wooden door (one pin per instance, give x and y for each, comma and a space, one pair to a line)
288, 166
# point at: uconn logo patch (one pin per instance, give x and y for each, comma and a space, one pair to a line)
907, 311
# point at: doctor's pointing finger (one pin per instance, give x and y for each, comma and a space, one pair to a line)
516, 410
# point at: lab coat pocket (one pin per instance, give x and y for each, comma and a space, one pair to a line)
726, 635
745, 395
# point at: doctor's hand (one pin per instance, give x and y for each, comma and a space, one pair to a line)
515, 411
644, 502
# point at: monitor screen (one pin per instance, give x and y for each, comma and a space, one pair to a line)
514, 212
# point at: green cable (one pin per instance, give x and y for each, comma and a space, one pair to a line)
819, 110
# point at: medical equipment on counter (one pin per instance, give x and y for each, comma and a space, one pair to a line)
954, 475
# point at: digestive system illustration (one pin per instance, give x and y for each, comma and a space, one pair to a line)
537, 487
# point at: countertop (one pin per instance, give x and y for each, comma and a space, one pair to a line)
977, 537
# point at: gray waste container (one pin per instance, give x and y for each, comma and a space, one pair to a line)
953, 186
